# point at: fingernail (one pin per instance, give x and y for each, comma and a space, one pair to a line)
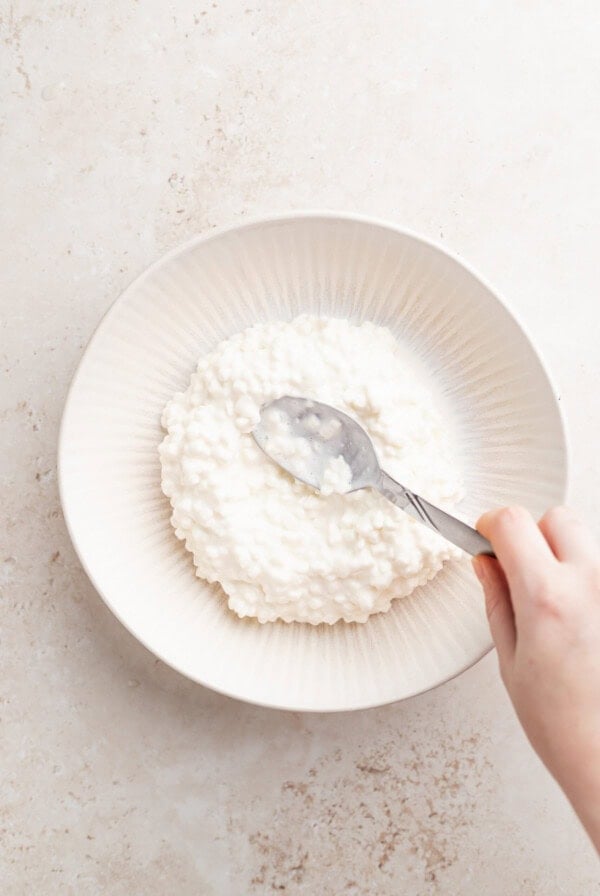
479, 569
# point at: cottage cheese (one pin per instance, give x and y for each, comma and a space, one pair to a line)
300, 456
279, 549
337, 477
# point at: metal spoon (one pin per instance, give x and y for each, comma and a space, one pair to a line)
329, 434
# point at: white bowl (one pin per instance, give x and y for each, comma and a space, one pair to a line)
486, 371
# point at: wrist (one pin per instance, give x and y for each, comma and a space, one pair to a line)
581, 785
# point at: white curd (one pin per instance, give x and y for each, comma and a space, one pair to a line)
279, 549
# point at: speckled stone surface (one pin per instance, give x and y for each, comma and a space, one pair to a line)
126, 127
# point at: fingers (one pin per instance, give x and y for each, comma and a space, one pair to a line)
567, 536
522, 550
498, 607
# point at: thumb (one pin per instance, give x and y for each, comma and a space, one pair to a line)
498, 607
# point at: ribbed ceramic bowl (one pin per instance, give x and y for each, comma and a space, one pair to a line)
481, 363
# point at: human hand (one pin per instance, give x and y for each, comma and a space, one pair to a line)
543, 605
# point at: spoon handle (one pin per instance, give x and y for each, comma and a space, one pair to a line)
450, 527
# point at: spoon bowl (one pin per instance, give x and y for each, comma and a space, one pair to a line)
306, 437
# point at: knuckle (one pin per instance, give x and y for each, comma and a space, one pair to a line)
511, 515
559, 514
546, 599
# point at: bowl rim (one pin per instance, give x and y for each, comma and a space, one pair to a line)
215, 233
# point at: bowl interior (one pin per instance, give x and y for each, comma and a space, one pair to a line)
480, 363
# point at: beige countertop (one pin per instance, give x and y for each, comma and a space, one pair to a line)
126, 127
